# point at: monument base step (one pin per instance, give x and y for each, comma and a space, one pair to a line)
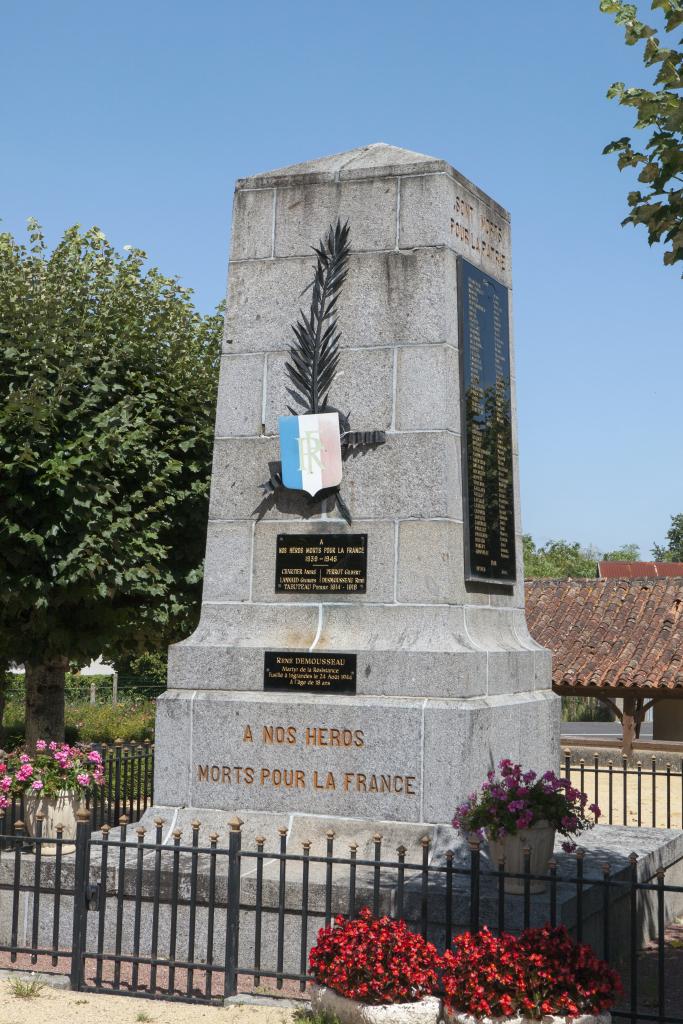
423, 894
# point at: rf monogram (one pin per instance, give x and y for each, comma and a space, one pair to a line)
310, 449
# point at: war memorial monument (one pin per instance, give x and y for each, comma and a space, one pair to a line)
362, 651
362, 657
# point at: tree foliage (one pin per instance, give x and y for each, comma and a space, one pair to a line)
626, 553
559, 559
672, 551
659, 204
107, 390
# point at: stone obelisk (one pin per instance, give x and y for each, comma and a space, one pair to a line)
446, 679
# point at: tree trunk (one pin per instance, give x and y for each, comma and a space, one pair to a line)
45, 700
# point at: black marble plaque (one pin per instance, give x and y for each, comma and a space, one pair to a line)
292, 671
487, 426
321, 563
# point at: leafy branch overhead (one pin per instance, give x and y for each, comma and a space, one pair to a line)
659, 205
315, 352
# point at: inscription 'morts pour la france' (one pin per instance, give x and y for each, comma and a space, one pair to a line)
321, 563
316, 673
487, 426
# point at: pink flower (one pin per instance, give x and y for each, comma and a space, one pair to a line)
40, 744
37, 785
6, 783
52, 745
94, 757
83, 779
4, 803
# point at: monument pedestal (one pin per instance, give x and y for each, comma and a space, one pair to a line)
373, 757
398, 685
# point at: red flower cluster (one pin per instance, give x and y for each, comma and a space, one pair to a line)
374, 960
542, 971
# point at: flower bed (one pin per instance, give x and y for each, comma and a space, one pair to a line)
542, 972
374, 960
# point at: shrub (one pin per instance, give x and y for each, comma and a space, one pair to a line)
131, 721
542, 972
518, 800
374, 960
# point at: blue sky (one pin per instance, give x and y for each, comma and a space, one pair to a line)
138, 117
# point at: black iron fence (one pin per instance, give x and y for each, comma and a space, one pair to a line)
128, 789
643, 794
159, 916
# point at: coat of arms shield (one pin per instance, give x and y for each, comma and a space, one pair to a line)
310, 451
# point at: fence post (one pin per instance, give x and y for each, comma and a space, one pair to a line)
79, 910
475, 865
118, 747
232, 925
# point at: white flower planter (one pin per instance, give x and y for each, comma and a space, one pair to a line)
348, 1011
455, 1017
540, 839
58, 810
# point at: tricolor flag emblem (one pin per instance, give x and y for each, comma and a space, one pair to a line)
310, 450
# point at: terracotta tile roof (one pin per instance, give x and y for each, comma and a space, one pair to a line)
610, 633
638, 570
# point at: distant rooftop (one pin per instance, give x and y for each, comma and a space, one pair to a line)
638, 570
610, 636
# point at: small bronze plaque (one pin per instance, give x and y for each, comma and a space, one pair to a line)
288, 671
321, 563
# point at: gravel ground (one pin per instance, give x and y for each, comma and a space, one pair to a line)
52, 1006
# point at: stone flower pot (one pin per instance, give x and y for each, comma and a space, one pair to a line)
348, 1011
540, 838
456, 1017
58, 810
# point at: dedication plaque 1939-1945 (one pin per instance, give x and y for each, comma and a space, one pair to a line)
321, 563
487, 426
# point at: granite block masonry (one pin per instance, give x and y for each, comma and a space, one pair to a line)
441, 678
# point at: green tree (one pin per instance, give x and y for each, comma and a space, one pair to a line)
558, 559
626, 553
659, 205
107, 383
673, 550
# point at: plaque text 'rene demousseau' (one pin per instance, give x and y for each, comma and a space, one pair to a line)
321, 563
487, 426
316, 673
